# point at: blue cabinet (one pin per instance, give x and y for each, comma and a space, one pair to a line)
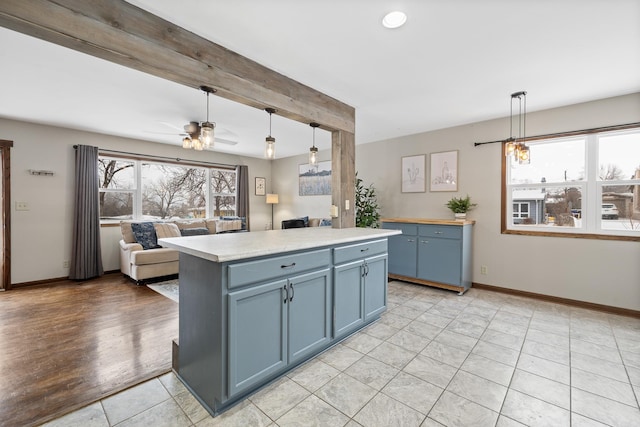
275, 324
435, 253
360, 285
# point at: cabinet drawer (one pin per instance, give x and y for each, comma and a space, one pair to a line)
409, 229
359, 251
441, 231
244, 273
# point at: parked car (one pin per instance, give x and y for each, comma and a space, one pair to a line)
609, 211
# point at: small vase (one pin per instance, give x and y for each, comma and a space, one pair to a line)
460, 216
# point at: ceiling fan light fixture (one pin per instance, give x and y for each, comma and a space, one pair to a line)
395, 19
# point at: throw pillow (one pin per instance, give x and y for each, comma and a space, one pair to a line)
145, 234
166, 229
325, 223
194, 231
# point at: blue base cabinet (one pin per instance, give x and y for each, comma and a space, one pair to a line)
431, 252
244, 323
360, 277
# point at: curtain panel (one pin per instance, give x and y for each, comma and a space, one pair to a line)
86, 256
242, 173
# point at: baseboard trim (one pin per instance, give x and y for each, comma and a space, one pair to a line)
50, 281
559, 300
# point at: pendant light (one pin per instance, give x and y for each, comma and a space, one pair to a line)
515, 145
207, 128
200, 136
313, 150
270, 142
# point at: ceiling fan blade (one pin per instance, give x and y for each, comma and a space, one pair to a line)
172, 126
225, 141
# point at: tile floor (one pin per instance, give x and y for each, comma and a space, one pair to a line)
435, 358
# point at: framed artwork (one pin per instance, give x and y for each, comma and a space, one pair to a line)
444, 171
314, 180
261, 186
414, 174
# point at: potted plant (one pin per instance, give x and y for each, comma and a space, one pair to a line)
460, 206
367, 209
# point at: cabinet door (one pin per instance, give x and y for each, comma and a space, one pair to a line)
347, 296
439, 260
403, 255
309, 313
375, 286
257, 334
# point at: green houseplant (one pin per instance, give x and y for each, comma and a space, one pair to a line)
367, 208
460, 206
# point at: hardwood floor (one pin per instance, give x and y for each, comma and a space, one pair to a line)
71, 343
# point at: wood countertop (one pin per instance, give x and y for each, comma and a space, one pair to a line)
430, 221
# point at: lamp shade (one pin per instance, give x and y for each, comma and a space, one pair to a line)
272, 199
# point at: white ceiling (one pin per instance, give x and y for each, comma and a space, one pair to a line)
454, 62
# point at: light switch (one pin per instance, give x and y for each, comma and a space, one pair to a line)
22, 206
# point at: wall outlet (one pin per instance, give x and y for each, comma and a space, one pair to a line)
22, 206
65, 264
483, 269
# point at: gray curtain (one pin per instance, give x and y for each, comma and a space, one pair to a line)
86, 257
243, 192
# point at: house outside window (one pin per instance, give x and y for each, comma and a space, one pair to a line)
145, 190
586, 185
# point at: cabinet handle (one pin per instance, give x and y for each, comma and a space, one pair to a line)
410, 240
437, 232
286, 293
424, 241
292, 293
365, 269
293, 264
364, 250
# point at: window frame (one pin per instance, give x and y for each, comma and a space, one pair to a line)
138, 184
590, 187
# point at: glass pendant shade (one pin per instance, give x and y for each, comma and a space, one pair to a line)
207, 134
523, 154
186, 142
270, 148
313, 156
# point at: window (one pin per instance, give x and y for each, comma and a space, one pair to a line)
581, 184
138, 189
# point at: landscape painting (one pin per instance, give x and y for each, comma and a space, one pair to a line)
315, 180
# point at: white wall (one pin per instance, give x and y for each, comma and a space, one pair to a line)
41, 236
598, 271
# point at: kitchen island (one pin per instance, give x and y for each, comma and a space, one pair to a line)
255, 305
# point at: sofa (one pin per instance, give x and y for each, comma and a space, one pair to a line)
142, 259
305, 221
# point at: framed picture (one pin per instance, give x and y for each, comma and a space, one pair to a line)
261, 186
444, 171
414, 174
314, 180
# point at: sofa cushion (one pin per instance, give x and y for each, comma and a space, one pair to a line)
197, 223
194, 231
127, 233
155, 256
314, 222
145, 234
166, 229
226, 225
211, 225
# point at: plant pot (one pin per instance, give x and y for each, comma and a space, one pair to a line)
460, 216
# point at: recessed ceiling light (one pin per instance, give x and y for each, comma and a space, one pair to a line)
394, 19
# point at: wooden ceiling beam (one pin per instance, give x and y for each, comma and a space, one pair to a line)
125, 34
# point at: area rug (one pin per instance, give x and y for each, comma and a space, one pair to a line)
168, 288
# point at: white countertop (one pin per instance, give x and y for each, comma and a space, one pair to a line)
235, 246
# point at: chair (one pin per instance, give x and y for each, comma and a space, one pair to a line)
292, 223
